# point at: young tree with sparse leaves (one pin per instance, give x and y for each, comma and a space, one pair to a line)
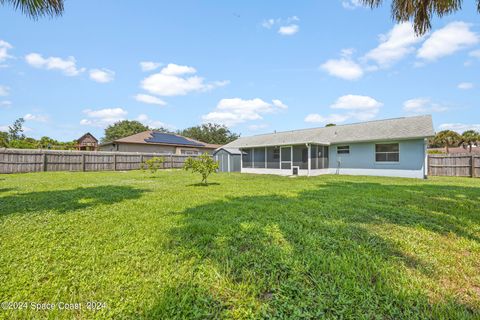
204, 164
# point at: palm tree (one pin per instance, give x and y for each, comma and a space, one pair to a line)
447, 138
37, 8
469, 138
421, 11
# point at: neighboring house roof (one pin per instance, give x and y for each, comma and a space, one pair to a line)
161, 138
475, 150
88, 134
389, 129
232, 151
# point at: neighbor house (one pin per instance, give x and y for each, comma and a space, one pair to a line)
87, 142
159, 142
392, 147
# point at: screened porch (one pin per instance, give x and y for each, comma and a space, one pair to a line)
299, 157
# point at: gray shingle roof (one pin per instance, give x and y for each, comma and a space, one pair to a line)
389, 129
229, 150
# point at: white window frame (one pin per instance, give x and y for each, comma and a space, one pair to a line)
343, 153
387, 152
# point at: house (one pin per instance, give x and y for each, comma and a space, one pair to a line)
229, 159
87, 142
159, 142
392, 147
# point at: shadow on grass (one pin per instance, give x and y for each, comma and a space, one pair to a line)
315, 255
203, 184
62, 201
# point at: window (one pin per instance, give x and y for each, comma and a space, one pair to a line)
387, 152
343, 149
189, 152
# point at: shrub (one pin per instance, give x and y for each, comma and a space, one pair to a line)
204, 164
153, 164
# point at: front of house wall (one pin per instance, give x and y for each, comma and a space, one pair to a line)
361, 161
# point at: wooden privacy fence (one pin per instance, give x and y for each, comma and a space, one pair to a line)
26, 160
456, 165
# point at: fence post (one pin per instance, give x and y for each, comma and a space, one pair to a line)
473, 167
114, 162
44, 160
83, 161
171, 161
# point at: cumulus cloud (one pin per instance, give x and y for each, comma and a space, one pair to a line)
395, 45
465, 85
4, 48
145, 119
459, 127
102, 75
286, 27
67, 66
422, 105
356, 107
453, 37
146, 98
343, 68
103, 117
37, 118
289, 30
177, 80
352, 4
5, 104
235, 111
4, 91
149, 65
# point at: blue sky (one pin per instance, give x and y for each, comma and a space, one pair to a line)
255, 66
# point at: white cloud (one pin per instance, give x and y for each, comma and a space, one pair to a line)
4, 91
453, 37
352, 4
459, 127
344, 68
5, 103
422, 105
289, 30
475, 54
395, 45
357, 107
145, 119
235, 111
4, 47
103, 117
465, 85
172, 80
68, 66
146, 98
149, 65
102, 75
37, 118
286, 27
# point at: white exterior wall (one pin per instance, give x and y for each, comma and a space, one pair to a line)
419, 174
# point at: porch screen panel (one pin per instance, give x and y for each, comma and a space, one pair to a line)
273, 158
313, 156
247, 158
300, 157
259, 158
286, 157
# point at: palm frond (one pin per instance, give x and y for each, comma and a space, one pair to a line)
37, 8
420, 11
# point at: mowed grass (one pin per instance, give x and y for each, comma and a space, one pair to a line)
246, 246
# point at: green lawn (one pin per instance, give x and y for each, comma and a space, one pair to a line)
246, 246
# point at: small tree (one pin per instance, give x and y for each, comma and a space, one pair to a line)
153, 164
470, 138
204, 164
447, 138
